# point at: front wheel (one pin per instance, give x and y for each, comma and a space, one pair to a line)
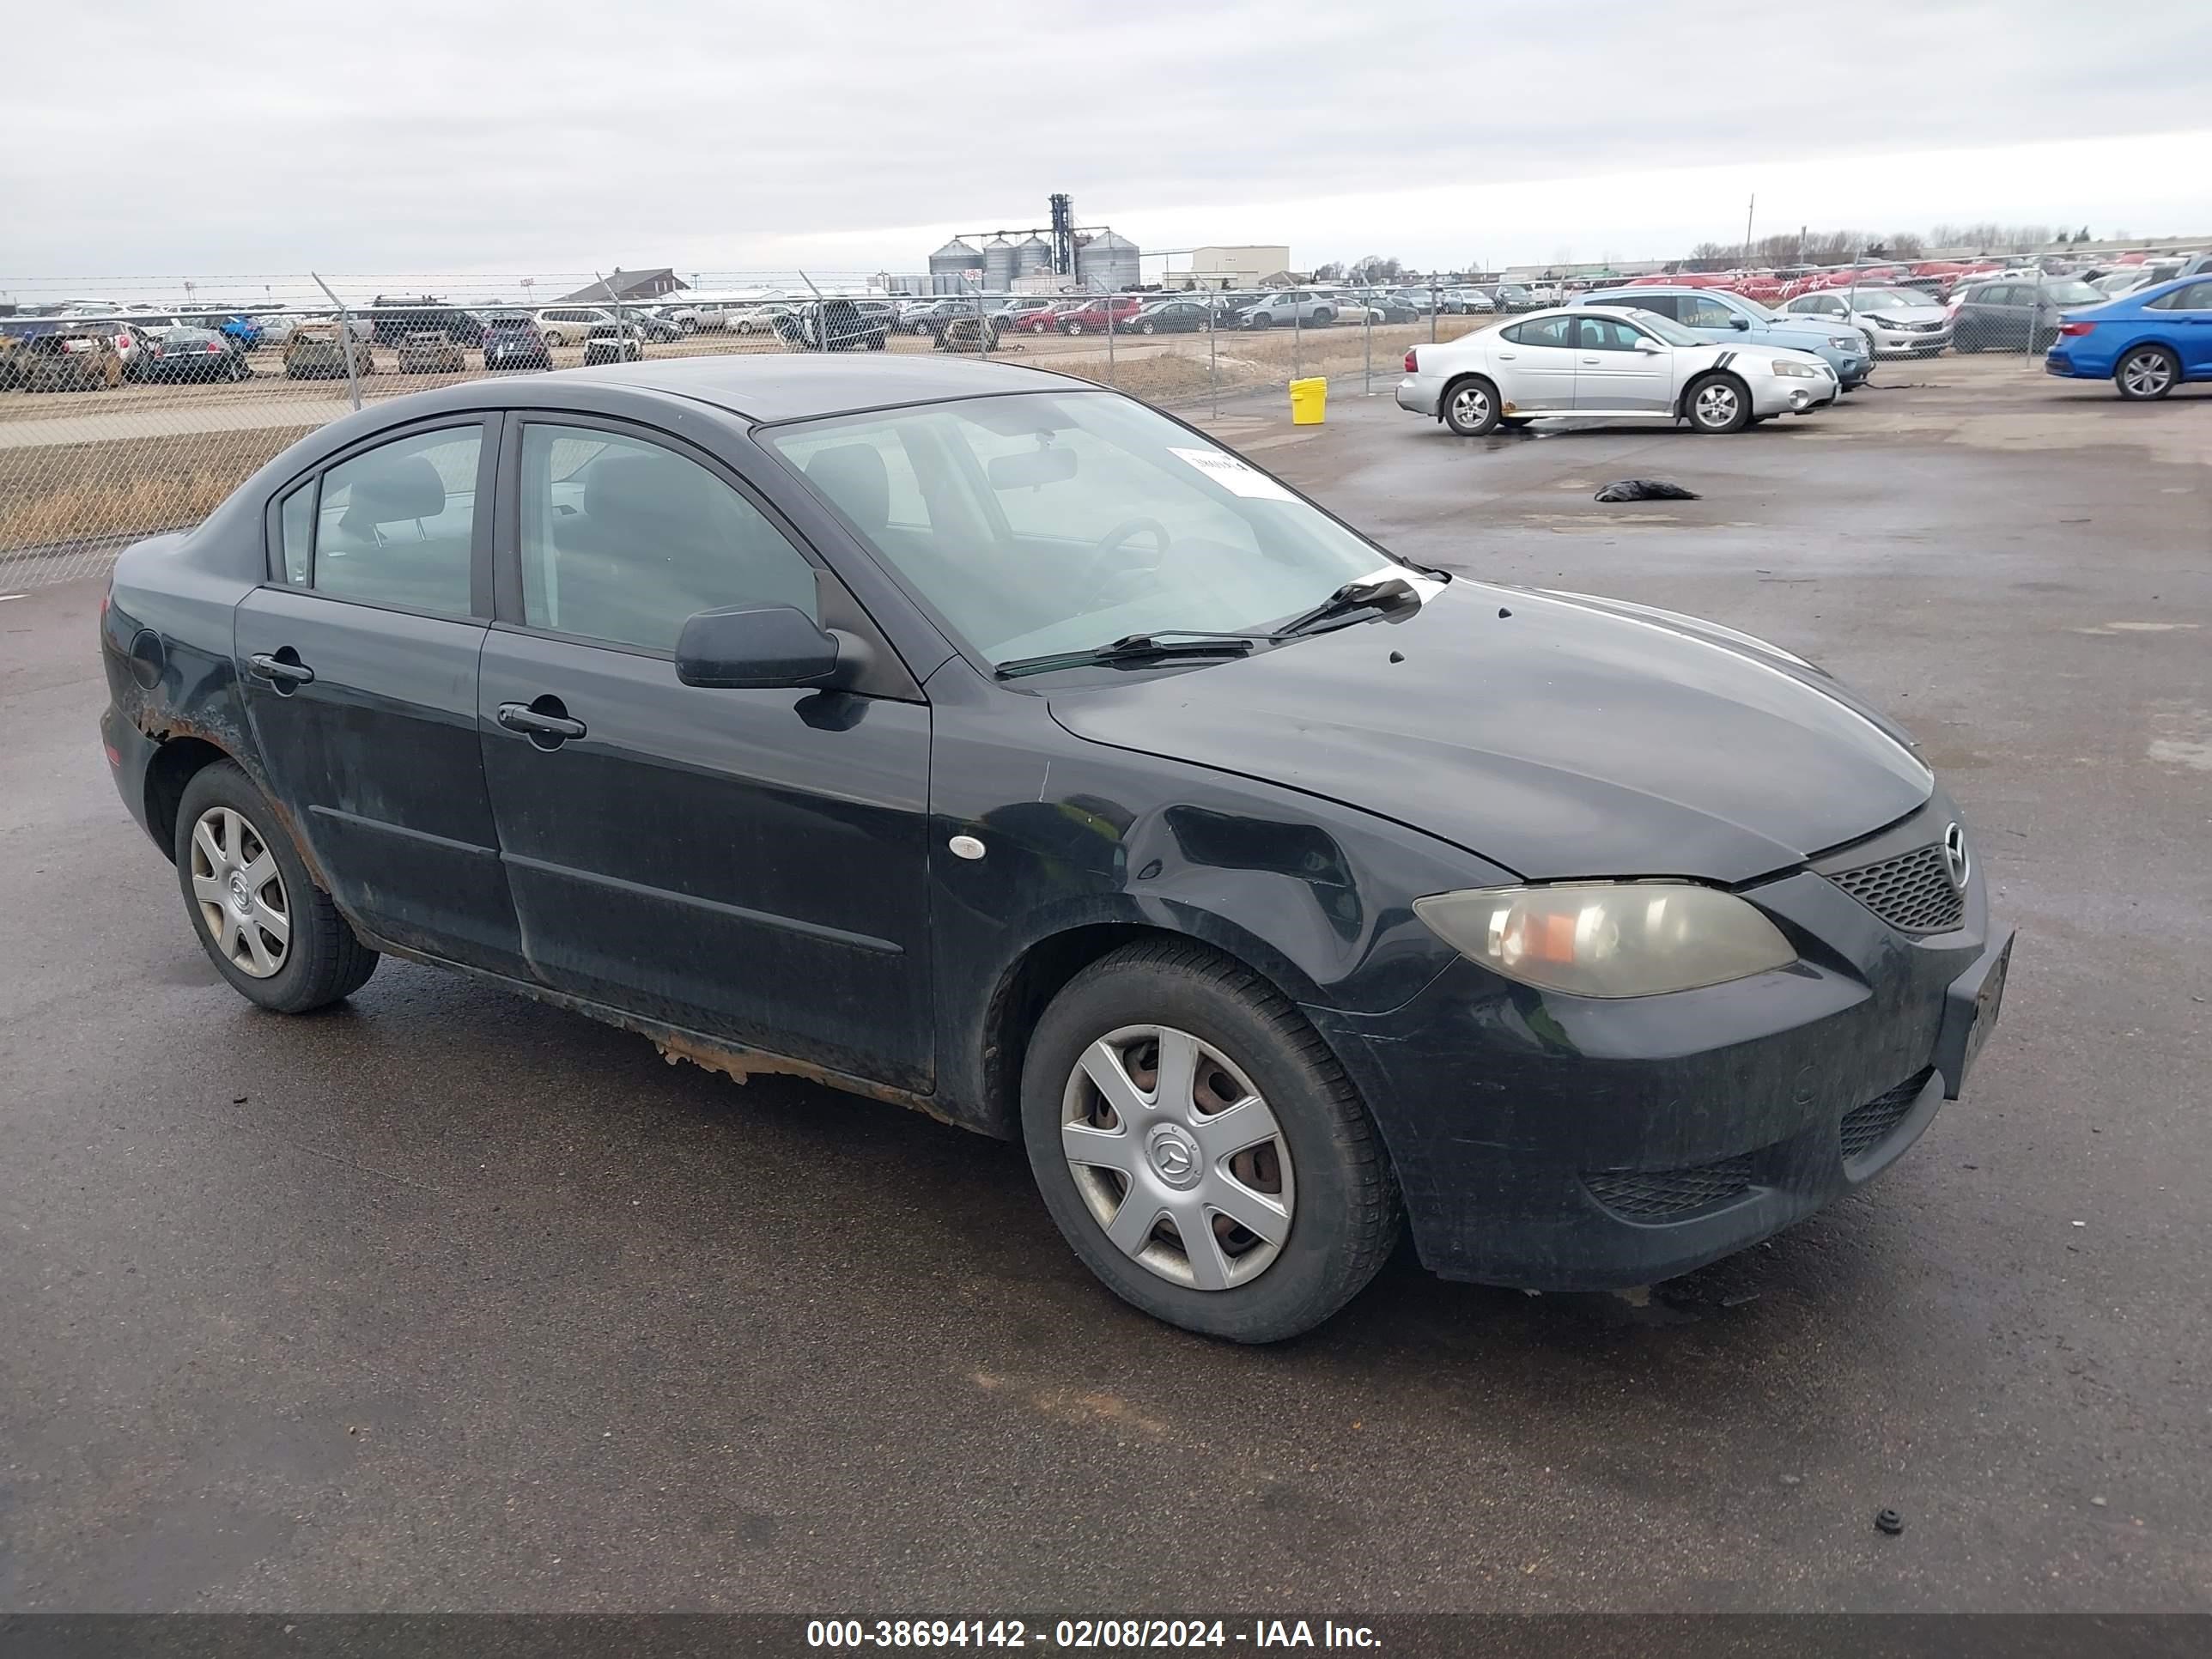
1718, 403
2146, 374
1200, 1149
267, 928
1471, 408
1148, 328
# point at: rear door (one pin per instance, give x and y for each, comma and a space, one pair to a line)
1535, 364
2188, 312
358, 658
750, 864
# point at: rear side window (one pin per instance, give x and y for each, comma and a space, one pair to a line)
396, 526
1543, 332
1660, 305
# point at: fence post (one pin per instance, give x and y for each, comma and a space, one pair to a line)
1297, 336
1212, 373
1113, 376
345, 339
1367, 374
1434, 301
981, 324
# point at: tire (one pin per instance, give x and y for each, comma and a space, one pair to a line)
1148, 328
1717, 403
319, 960
1322, 1175
2146, 374
1263, 321
1071, 329
1470, 407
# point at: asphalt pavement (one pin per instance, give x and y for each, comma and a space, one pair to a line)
445, 1299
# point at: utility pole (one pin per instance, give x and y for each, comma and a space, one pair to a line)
1751, 205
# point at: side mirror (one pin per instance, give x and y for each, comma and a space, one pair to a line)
1645, 344
1739, 322
762, 646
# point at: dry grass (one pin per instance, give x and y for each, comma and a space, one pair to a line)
125, 487
1250, 361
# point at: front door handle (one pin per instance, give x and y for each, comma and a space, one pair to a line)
544, 722
282, 668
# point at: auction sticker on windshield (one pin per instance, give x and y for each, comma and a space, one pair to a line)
1233, 475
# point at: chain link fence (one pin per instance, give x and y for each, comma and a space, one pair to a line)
130, 407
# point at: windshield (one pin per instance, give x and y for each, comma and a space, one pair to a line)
1765, 314
2071, 293
1666, 329
1048, 522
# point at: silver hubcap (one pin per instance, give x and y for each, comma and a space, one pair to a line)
1470, 406
1178, 1160
1716, 405
241, 893
2146, 374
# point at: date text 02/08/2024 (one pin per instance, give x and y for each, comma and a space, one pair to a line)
1085, 1634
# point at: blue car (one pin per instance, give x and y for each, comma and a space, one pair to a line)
1717, 315
2145, 344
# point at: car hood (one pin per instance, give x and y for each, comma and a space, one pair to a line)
1555, 735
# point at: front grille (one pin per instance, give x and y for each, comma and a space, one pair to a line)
1865, 1127
1668, 1194
1912, 892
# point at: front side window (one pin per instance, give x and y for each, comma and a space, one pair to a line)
1049, 522
395, 525
1701, 312
622, 540
1605, 334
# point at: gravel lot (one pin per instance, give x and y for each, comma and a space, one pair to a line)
446, 1299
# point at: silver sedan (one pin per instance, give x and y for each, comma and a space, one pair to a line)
1611, 364
1897, 322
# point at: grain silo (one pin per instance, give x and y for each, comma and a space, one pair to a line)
951, 267
1107, 263
998, 264
1033, 258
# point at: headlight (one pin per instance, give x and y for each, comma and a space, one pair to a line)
1847, 341
1804, 371
1609, 939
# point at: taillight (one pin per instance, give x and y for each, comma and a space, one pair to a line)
2075, 328
213, 348
1413, 366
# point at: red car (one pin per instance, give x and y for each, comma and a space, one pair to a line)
1090, 317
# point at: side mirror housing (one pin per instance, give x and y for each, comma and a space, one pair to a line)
1645, 344
763, 646
1740, 322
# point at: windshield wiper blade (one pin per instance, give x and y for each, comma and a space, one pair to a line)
1349, 601
1135, 648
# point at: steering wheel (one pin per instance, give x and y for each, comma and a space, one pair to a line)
1096, 576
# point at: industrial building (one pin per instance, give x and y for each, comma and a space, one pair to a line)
1038, 259
1234, 267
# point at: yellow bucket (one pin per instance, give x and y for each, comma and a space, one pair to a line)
1309, 401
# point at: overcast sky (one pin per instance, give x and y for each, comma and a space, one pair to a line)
405, 137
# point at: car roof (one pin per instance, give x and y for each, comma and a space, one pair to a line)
801, 385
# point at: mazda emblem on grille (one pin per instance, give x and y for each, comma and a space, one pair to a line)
1954, 856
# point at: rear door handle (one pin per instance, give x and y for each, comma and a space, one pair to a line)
282, 669
547, 717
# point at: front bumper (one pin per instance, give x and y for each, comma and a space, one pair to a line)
1910, 342
1567, 1144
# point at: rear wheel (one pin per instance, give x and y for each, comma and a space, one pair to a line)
1200, 1148
1471, 407
1717, 403
2146, 374
265, 924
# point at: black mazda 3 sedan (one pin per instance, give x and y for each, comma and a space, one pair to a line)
984, 741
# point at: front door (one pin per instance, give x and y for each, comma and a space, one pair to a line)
1614, 372
359, 664
2190, 313
750, 864
1536, 365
